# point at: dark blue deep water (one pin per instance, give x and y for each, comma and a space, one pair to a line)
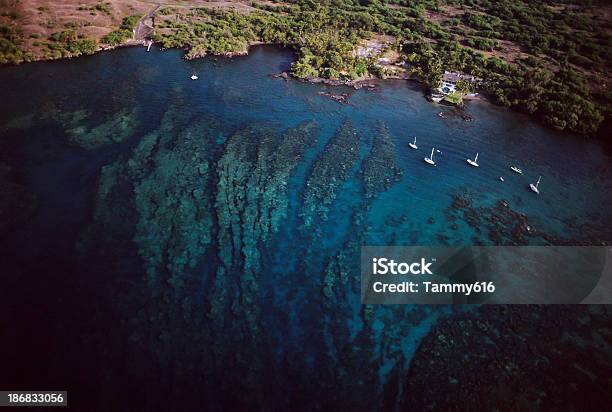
169, 243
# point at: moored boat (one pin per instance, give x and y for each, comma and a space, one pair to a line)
473, 162
413, 144
429, 159
535, 188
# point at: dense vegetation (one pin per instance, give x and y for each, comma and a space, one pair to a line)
124, 32
549, 58
10, 42
71, 43
562, 62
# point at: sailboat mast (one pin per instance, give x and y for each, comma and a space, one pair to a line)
538, 182
431, 155
476, 158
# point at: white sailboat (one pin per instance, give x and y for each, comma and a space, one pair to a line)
473, 162
430, 158
194, 77
501, 179
149, 46
413, 144
516, 169
534, 188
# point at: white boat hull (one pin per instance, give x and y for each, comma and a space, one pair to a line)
534, 189
429, 161
472, 163
413, 146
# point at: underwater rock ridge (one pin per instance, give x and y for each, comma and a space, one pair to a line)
331, 169
380, 170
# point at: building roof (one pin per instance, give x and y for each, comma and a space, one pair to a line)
451, 77
454, 77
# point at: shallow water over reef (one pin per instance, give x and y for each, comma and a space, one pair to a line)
182, 242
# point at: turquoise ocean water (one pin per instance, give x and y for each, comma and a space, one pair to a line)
203, 236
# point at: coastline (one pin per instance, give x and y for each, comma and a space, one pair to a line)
368, 82
344, 49
193, 54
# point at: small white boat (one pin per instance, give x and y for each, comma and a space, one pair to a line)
430, 158
413, 144
534, 188
473, 162
194, 77
516, 169
149, 46
501, 178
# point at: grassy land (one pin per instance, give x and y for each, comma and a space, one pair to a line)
50, 29
547, 58
454, 98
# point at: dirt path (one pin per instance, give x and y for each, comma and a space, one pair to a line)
143, 30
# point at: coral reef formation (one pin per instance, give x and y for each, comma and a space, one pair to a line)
116, 129
193, 200
330, 171
379, 169
503, 225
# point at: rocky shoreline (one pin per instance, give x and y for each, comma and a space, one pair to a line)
368, 82
193, 54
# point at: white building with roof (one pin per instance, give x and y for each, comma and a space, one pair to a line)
450, 79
